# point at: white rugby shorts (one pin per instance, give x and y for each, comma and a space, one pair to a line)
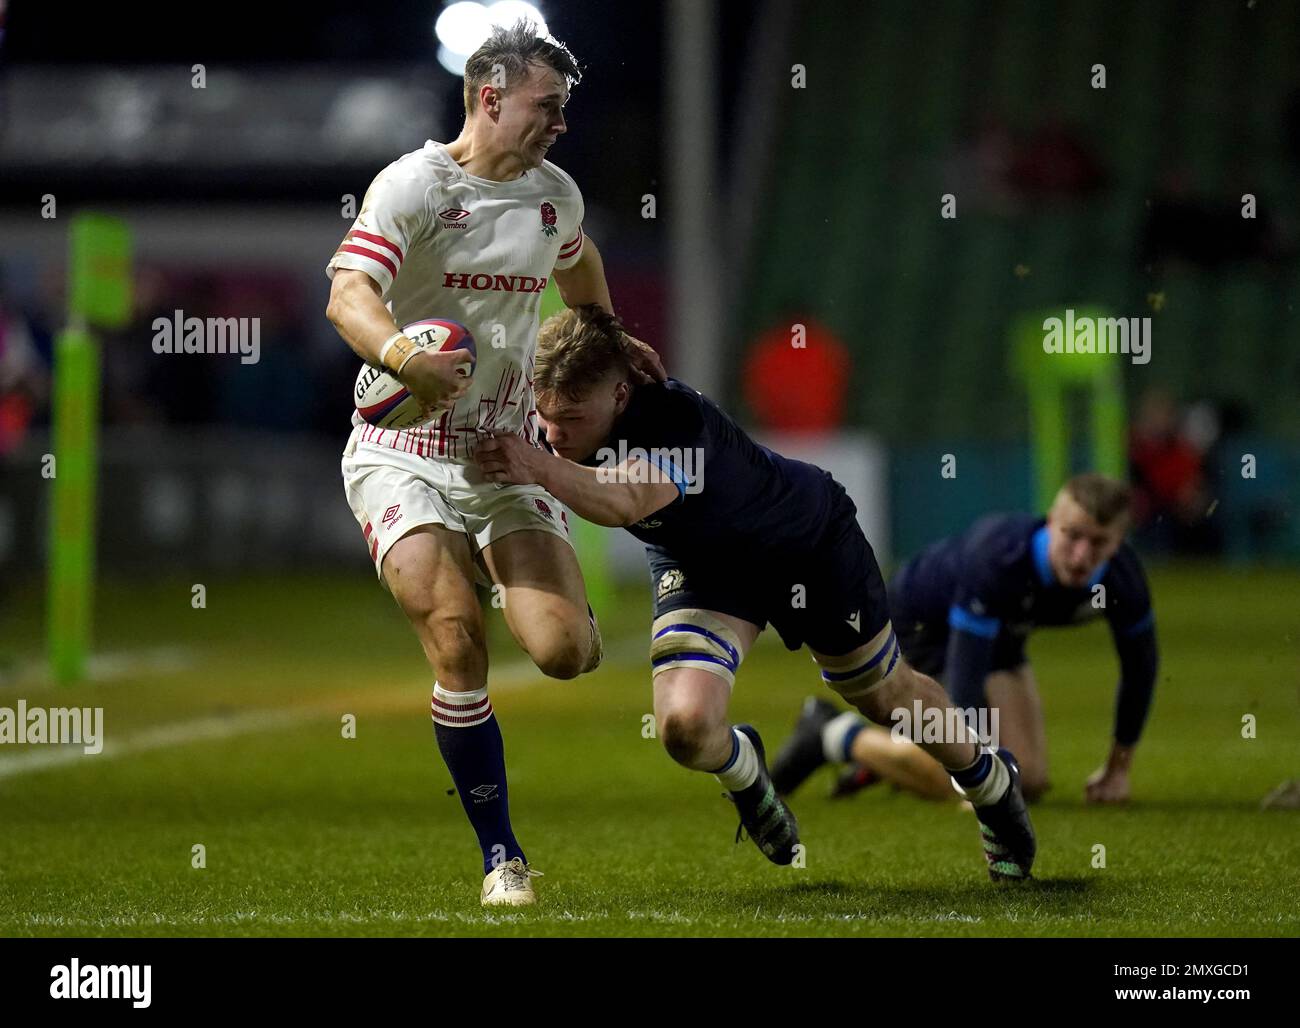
391, 492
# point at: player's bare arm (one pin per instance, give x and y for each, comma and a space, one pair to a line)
613, 497
359, 315
583, 284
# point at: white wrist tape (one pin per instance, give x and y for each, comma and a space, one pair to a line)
396, 351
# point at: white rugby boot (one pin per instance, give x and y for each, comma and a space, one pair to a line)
510, 885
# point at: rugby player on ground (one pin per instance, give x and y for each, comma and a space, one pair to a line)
965, 608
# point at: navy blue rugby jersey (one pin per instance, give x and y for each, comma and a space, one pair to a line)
992, 585
734, 496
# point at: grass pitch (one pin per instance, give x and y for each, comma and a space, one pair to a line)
224, 729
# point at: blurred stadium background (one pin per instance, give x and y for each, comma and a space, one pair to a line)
774, 205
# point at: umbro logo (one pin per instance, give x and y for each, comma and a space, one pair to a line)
855, 622
484, 792
453, 217
391, 513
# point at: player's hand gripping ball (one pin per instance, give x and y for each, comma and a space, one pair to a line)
383, 400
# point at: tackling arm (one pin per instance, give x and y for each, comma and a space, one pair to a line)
614, 497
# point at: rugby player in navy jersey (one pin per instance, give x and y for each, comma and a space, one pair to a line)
737, 537
965, 607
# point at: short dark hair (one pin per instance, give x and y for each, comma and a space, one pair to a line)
576, 349
1103, 499
513, 49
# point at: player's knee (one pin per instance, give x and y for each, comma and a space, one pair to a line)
563, 651
563, 664
683, 732
455, 645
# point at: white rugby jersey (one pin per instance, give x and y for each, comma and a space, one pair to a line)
445, 244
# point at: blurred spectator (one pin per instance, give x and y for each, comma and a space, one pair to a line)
24, 381
1168, 469
24, 387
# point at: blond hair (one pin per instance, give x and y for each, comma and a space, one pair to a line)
577, 349
1103, 499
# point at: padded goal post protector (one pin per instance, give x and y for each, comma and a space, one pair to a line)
99, 292
100, 271
72, 503
1048, 379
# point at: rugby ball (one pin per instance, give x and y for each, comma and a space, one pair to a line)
381, 398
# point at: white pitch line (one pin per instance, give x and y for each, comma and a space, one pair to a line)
377, 917
515, 675
179, 733
252, 917
108, 667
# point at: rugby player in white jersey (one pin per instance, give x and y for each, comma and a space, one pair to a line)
471, 231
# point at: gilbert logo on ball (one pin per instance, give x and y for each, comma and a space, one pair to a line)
380, 396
